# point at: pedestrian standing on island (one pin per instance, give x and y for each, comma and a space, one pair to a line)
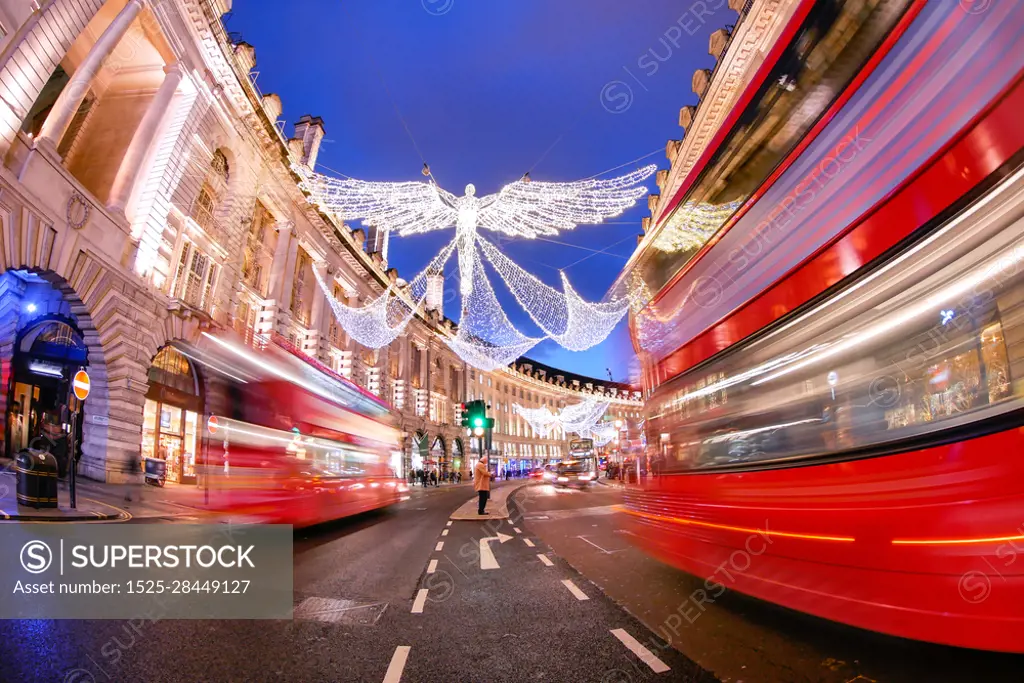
482, 483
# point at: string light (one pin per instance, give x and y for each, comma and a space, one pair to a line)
575, 324
692, 225
526, 208
579, 418
380, 321
486, 339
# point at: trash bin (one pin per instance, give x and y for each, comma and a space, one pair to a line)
36, 472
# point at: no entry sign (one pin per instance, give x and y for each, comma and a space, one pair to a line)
212, 424
81, 385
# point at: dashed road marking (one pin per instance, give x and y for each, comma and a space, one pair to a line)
448, 523
528, 542
439, 546
444, 533
421, 599
516, 529
397, 665
547, 562
648, 658
577, 593
432, 567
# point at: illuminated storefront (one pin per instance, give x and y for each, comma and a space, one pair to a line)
174, 406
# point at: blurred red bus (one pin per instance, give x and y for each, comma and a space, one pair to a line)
835, 378
286, 442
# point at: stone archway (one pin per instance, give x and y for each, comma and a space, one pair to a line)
31, 303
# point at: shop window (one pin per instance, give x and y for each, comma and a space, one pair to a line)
171, 416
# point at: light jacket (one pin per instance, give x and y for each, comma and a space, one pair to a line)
481, 477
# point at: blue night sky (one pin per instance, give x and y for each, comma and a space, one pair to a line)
491, 89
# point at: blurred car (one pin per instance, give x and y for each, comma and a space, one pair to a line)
537, 473
574, 473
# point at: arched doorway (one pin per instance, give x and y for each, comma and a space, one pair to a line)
438, 457
47, 353
173, 414
457, 455
420, 451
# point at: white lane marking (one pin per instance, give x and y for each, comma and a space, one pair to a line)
448, 523
432, 567
579, 595
546, 561
397, 665
648, 658
528, 542
444, 533
606, 552
516, 529
421, 599
487, 559
439, 546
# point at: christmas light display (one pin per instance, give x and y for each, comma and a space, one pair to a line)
572, 322
528, 209
380, 321
693, 224
524, 208
601, 434
579, 418
486, 339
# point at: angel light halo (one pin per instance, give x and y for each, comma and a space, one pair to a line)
527, 209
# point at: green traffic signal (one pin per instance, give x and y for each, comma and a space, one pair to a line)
478, 421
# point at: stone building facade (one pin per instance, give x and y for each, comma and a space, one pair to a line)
146, 195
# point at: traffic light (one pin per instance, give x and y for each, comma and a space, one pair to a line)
474, 417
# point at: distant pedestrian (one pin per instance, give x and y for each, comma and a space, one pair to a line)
482, 483
433, 477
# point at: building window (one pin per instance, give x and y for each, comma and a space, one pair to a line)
300, 301
259, 249
204, 208
335, 333
195, 278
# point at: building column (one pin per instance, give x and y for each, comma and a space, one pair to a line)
145, 136
74, 92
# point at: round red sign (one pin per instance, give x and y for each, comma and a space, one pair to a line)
81, 385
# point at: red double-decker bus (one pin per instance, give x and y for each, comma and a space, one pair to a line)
289, 442
836, 374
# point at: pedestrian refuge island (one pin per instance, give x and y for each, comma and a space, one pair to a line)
497, 506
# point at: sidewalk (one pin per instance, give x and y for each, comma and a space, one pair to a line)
88, 509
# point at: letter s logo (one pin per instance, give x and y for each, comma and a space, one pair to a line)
36, 557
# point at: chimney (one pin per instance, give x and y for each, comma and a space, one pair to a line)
310, 132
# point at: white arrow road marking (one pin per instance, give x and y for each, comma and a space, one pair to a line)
648, 658
579, 595
546, 561
397, 665
421, 599
432, 567
528, 542
487, 560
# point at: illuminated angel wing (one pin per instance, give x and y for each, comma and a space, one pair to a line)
407, 208
530, 208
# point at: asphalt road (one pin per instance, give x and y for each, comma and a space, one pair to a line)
737, 638
371, 605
